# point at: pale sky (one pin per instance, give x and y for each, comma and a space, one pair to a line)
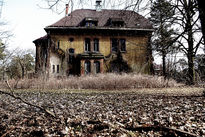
27, 21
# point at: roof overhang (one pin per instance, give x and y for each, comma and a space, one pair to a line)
98, 30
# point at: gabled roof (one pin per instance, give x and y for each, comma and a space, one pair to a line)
131, 19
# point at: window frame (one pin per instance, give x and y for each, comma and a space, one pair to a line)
53, 68
57, 68
97, 66
117, 45
122, 45
87, 46
87, 67
58, 44
96, 45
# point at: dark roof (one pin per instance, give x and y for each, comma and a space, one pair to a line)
130, 18
41, 39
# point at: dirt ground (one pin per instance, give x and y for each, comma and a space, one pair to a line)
142, 112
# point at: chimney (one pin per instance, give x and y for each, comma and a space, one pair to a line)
66, 10
98, 5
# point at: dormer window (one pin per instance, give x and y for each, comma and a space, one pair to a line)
115, 22
89, 22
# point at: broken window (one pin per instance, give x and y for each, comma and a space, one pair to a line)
114, 45
97, 67
58, 68
58, 44
53, 68
87, 67
71, 55
96, 45
118, 45
115, 22
89, 22
87, 44
71, 50
122, 44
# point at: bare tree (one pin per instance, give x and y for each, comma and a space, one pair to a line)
187, 22
202, 16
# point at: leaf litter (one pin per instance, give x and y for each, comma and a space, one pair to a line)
102, 114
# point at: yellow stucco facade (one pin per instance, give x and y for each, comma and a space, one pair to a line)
136, 53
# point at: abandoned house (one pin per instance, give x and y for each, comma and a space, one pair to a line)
95, 41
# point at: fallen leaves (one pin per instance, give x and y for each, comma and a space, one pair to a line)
102, 114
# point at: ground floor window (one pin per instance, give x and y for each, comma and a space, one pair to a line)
97, 67
53, 68
58, 68
87, 67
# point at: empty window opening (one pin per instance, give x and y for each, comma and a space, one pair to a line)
58, 44
71, 50
118, 45
71, 39
123, 44
114, 45
58, 68
53, 68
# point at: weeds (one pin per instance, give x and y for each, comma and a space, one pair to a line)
108, 81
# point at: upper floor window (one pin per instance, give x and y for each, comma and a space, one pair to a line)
118, 45
114, 45
87, 44
96, 44
123, 44
71, 50
115, 22
58, 44
89, 22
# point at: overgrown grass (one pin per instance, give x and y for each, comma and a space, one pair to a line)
107, 81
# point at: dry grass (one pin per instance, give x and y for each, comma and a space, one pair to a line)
108, 81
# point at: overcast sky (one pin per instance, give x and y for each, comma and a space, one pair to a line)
27, 21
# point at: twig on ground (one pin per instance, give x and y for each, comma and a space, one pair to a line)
12, 94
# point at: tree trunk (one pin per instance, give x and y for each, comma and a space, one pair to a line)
202, 16
164, 65
190, 53
191, 57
